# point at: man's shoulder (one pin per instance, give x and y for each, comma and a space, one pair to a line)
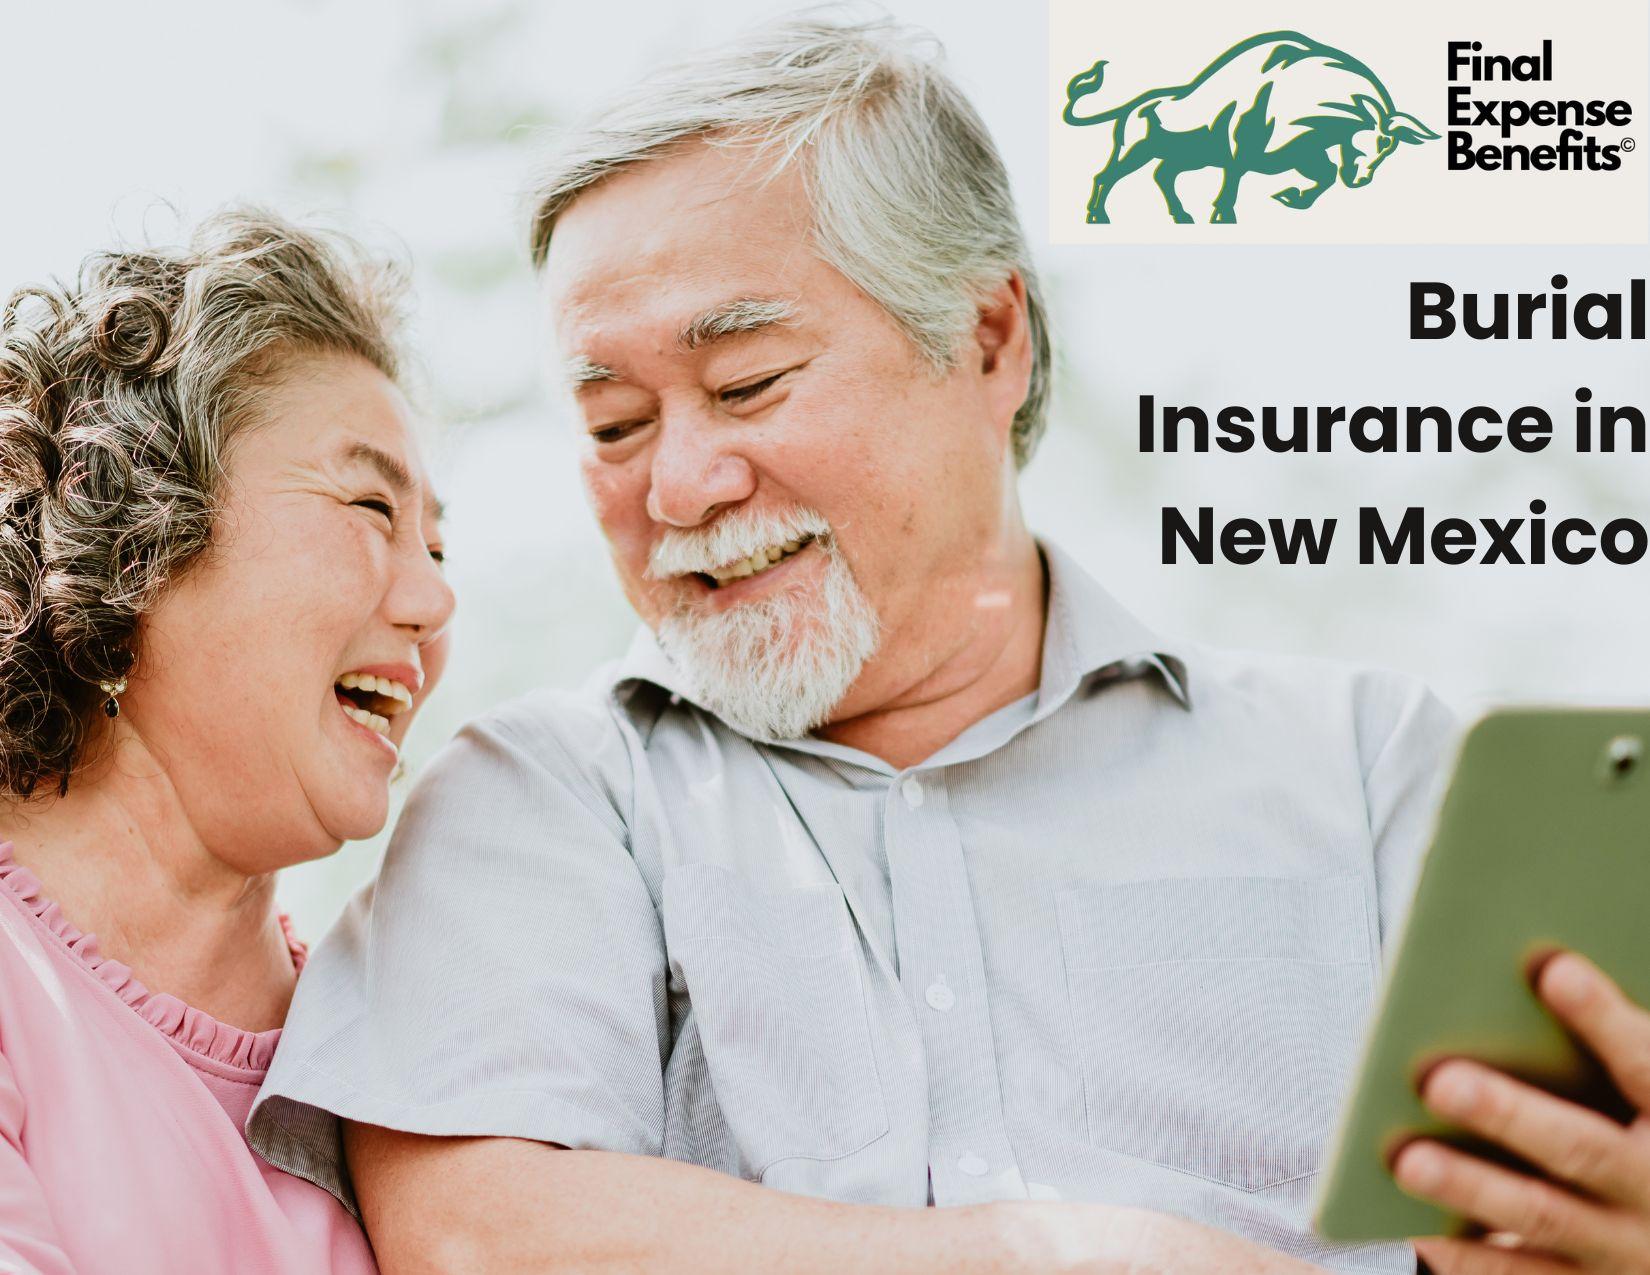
573, 735
1231, 667
571, 719
1315, 694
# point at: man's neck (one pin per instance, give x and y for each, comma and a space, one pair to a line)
118, 854
996, 660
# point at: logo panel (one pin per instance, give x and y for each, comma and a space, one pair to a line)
1411, 123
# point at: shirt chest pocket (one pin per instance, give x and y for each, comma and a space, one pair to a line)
773, 976
1217, 1019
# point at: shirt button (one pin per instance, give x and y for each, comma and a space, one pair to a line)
972, 1165
913, 791
940, 997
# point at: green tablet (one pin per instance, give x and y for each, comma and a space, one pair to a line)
1542, 842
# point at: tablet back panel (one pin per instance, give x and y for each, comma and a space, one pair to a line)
1543, 841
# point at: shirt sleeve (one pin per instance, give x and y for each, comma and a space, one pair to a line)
1410, 741
28, 1235
505, 975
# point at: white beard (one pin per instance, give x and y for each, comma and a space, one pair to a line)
774, 668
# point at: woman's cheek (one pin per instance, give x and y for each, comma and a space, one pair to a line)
344, 552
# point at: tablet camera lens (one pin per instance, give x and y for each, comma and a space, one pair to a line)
1622, 755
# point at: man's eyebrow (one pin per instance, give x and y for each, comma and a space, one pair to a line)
733, 318
729, 318
394, 472
580, 369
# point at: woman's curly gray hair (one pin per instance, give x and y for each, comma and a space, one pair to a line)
119, 398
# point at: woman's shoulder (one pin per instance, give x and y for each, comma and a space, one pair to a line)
58, 993
55, 978
43, 952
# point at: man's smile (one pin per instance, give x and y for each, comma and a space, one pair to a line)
757, 563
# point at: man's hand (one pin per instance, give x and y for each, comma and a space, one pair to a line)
1594, 1212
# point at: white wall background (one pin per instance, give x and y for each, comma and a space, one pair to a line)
412, 123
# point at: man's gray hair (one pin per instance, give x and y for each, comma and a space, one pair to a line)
911, 200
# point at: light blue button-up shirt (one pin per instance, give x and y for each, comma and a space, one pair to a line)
1116, 942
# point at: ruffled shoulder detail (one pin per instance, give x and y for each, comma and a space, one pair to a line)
185, 1026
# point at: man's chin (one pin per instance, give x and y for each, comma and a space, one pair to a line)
773, 691
774, 662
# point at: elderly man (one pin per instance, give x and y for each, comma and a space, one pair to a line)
896, 864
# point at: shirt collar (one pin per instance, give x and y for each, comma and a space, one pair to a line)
1087, 631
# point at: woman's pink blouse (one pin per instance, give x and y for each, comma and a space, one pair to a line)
120, 1123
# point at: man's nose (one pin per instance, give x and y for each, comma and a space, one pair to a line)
695, 474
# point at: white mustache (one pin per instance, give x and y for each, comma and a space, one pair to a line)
731, 537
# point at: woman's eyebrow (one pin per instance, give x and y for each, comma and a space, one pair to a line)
393, 471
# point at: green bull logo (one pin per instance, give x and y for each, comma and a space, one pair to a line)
1276, 103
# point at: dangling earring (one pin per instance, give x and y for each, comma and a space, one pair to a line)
111, 706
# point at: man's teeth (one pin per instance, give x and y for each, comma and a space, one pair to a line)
377, 723
378, 686
758, 562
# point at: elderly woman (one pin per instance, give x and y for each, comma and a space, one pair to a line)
221, 603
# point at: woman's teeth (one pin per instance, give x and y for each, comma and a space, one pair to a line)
372, 700
378, 686
758, 562
372, 720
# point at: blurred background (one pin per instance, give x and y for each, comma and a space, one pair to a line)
414, 124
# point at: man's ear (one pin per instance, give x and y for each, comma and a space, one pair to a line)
1002, 336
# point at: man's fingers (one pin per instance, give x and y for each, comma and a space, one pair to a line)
1570, 1142
1588, 1002
1474, 1257
1547, 1216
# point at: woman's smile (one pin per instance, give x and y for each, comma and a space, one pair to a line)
371, 697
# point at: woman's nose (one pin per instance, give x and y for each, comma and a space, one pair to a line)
423, 600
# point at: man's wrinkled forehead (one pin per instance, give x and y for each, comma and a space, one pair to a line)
667, 238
